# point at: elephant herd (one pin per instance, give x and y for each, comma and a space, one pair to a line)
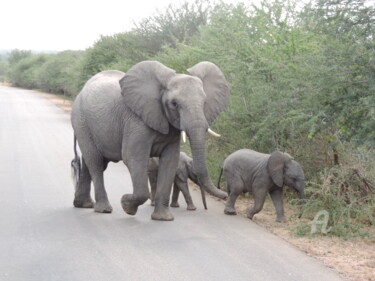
138, 117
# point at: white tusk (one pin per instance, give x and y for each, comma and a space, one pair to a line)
183, 134
213, 133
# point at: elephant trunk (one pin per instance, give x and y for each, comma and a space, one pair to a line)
197, 135
302, 195
301, 190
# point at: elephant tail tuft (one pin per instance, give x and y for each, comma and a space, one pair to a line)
76, 165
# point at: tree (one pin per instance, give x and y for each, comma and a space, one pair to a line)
23, 72
59, 73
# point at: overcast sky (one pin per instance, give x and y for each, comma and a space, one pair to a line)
70, 24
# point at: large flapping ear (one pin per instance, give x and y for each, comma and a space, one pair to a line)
215, 87
142, 88
275, 166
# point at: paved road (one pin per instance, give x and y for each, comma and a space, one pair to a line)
43, 238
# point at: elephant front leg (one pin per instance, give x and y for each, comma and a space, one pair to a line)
138, 172
277, 199
136, 155
167, 170
259, 197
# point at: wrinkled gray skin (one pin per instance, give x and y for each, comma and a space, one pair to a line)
249, 171
184, 172
138, 115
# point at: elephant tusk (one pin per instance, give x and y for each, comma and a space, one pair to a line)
183, 134
214, 133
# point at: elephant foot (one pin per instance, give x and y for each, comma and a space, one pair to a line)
83, 203
129, 205
191, 207
175, 205
250, 215
281, 219
153, 203
163, 214
230, 211
103, 207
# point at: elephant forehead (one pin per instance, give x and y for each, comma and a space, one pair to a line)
182, 82
294, 169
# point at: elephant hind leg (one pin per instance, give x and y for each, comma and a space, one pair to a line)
183, 186
96, 166
82, 198
235, 189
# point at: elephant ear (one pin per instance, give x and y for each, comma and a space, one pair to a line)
142, 88
276, 164
215, 87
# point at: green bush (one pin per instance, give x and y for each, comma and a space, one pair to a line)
347, 193
59, 73
24, 73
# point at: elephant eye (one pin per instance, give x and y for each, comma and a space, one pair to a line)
174, 104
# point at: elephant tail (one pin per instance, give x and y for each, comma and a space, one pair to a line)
218, 182
76, 165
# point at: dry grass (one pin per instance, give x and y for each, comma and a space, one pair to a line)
354, 259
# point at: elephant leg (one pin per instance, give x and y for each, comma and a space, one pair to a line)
153, 178
138, 172
168, 163
184, 188
136, 155
234, 187
82, 198
259, 197
277, 199
96, 166
175, 194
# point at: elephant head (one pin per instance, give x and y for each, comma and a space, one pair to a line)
284, 170
163, 98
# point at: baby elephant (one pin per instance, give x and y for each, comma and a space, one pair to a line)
249, 171
183, 173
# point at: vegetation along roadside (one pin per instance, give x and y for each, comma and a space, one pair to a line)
302, 80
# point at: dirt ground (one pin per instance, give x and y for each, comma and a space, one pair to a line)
354, 259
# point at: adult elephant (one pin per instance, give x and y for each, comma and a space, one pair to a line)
141, 114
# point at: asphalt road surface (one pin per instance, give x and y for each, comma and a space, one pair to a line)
44, 238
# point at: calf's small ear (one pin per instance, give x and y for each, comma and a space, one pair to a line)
275, 166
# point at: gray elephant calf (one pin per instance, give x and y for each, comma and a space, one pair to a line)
249, 171
184, 172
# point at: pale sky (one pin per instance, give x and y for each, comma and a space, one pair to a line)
70, 24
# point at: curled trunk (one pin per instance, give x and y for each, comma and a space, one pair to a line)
197, 143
